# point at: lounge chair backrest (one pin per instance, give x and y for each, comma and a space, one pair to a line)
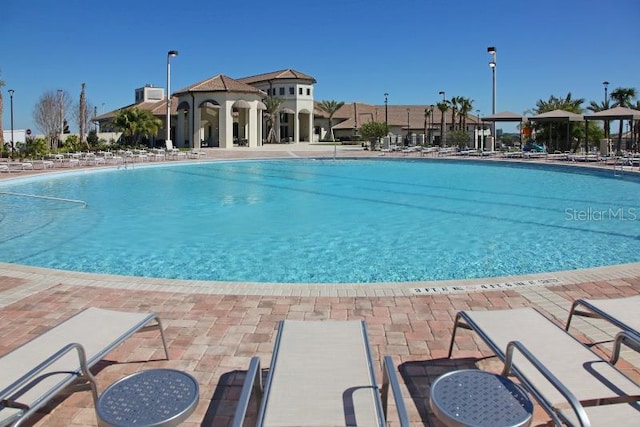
577, 367
589, 377
98, 331
321, 374
622, 312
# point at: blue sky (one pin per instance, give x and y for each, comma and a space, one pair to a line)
356, 49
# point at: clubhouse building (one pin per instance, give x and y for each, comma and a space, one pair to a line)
225, 112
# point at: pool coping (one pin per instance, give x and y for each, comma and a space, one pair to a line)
41, 278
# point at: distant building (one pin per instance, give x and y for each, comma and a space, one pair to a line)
225, 112
19, 136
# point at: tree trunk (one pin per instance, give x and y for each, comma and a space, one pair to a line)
1, 104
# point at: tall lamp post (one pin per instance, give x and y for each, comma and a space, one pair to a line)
386, 110
492, 51
431, 107
479, 144
408, 126
386, 121
606, 105
11, 91
171, 53
60, 96
443, 121
426, 124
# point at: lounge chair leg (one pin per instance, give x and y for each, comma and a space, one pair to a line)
158, 326
456, 323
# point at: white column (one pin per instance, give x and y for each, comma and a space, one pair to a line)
226, 125
180, 127
195, 141
252, 137
259, 127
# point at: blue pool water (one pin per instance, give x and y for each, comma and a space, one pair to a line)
323, 221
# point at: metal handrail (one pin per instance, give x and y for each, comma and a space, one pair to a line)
84, 369
571, 398
252, 384
389, 378
627, 338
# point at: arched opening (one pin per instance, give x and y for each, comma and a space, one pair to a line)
240, 122
209, 123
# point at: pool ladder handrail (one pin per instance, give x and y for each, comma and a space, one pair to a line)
36, 196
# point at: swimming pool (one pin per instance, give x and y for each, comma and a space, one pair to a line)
323, 221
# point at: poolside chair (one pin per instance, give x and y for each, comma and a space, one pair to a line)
622, 312
35, 372
573, 384
321, 373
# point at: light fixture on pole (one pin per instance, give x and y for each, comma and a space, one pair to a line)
431, 109
479, 144
606, 106
443, 121
426, 125
168, 143
60, 96
492, 51
386, 111
408, 126
11, 91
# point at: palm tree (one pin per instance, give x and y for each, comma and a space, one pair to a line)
1, 106
443, 107
623, 97
273, 105
595, 107
465, 105
136, 124
568, 103
455, 102
330, 107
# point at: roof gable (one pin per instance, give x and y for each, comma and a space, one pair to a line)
287, 74
219, 83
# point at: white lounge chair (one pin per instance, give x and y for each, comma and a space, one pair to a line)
35, 372
20, 166
622, 312
573, 384
321, 373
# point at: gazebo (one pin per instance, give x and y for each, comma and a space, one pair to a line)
557, 116
616, 113
505, 116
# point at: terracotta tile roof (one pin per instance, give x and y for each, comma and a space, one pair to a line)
345, 117
275, 75
219, 83
157, 108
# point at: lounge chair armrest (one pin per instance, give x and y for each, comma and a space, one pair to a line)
389, 378
12, 388
627, 338
571, 398
252, 383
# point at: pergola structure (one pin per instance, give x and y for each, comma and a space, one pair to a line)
504, 116
616, 113
561, 116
